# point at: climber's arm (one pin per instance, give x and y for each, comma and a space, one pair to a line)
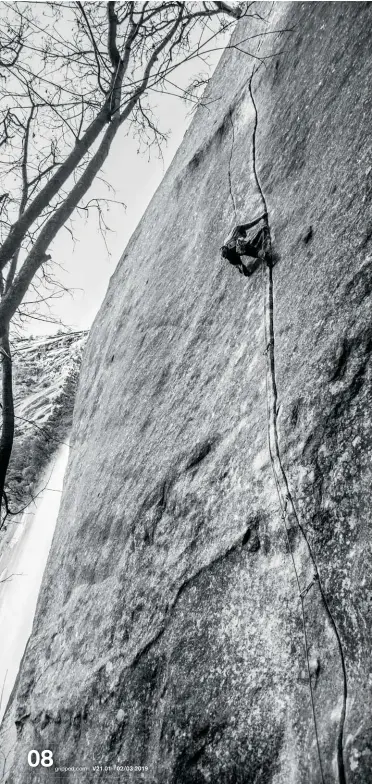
241, 229
246, 226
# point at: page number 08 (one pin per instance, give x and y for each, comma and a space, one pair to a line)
34, 758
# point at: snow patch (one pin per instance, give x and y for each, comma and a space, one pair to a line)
22, 567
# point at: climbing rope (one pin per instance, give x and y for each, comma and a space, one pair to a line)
229, 167
285, 497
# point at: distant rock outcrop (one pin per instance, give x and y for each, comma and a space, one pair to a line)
46, 371
199, 620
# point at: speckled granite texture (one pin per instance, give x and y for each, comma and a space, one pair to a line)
169, 632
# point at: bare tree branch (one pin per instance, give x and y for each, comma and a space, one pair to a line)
70, 79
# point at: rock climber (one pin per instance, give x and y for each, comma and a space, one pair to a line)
239, 243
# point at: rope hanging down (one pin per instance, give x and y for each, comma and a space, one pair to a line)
285, 496
281, 481
271, 415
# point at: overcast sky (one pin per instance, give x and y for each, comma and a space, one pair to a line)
134, 178
82, 259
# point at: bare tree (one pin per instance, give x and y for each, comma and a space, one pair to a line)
71, 76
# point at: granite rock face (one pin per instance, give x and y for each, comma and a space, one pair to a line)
169, 633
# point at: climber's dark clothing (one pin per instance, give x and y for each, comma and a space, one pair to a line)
231, 255
238, 244
254, 247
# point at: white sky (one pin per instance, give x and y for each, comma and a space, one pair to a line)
88, 264
134, 178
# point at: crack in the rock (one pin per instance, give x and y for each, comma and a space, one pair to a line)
230, 161
281, 481
239, 544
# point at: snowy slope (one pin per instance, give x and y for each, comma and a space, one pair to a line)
45, 377
21, 570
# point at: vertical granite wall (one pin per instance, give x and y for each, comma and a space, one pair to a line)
169, 633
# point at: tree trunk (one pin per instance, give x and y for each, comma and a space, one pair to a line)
7, 432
